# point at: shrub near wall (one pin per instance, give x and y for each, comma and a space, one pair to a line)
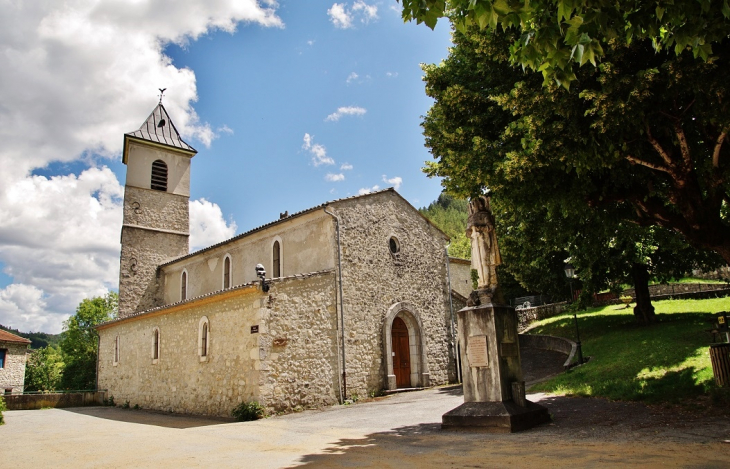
2, 409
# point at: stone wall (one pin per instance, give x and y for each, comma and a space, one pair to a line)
56, 400
12, 375
678, 288
306, 245
290, 362
374, 280
460, 270
527, 316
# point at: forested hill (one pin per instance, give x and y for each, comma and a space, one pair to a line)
450, 215
37, 339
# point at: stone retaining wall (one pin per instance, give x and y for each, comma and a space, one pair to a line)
55, 400
527, 316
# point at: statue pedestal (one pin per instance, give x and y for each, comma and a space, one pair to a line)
494, 390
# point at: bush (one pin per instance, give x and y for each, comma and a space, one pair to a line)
247, 411
3, 408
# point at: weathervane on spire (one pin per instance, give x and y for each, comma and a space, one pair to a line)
162, 92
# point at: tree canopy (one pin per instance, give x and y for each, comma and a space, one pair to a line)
642, 138
553, 36
79, 340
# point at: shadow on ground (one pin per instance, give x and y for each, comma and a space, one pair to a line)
584, 431
149, 417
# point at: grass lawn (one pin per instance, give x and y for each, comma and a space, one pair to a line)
666, 362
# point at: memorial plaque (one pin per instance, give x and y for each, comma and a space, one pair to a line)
254, 329
509, 349
476, 350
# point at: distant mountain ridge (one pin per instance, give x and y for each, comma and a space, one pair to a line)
37, 339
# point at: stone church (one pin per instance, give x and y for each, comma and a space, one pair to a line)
356, 298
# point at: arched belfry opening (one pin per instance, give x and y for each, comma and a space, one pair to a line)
404, 348
158, 179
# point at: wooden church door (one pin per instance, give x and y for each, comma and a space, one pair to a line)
401, 354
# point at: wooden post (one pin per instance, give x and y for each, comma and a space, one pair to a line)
720, 358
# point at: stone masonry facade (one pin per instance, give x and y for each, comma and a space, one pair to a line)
374, 279
287, 364
155, 230
12, 374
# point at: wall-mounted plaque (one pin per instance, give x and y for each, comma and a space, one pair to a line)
255, 329
476, 350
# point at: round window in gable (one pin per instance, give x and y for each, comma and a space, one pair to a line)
394, 245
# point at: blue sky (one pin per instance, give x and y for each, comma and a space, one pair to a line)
289, 104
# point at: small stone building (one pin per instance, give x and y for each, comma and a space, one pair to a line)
13, 355
356, 298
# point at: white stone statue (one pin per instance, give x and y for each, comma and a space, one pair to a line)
485, 255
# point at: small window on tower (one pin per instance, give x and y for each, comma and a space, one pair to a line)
159, 176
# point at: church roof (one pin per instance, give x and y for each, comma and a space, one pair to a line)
158, 128
6, 336
297, 214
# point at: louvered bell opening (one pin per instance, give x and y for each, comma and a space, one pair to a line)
159, 176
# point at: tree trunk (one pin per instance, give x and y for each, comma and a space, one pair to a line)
644, 311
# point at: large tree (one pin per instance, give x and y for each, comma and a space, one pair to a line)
79, 340
555, 36
643, 135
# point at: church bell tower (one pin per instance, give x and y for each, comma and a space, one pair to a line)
156, 225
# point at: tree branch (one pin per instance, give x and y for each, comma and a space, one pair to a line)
716, 153
683, 144
657, 146
656, 167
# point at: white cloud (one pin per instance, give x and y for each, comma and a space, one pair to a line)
367, 12
318, 152
346, 167
76, 75
59, 236
224, 129
335, 177
351, 77
391, 74
23, 307
368, 190
395, 182
339, 16
311, 42
207, 225
343, 17
346, 111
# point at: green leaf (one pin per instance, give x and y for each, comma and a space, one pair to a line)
725, 9
660, 12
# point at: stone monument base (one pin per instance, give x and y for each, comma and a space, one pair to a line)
495, 417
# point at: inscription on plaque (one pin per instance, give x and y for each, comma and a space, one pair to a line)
254, 329
509, 349
476, 350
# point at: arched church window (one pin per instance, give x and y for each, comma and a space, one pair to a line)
184, 286
116, 350
227, 273
158, 181
276, 268
203, 339
155, 345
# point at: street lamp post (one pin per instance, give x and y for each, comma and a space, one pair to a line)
570, 273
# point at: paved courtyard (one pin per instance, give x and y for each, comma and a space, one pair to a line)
400, 431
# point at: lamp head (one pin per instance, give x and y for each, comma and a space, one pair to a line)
260, 271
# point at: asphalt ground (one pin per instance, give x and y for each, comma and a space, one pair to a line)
398, 431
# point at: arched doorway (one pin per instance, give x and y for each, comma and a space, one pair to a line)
406, 364
401, 354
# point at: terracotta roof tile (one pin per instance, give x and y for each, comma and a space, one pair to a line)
6, 336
